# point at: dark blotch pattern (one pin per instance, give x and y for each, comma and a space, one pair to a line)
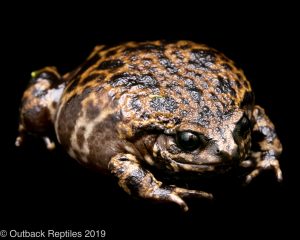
193, 90
145, 47
110, 53
167, 64
93, 60
202, 58
225, 86
68, 116
227, 66
92, 111
248, 100
73, 84
96, 76
204, 116
164, 104
112, 64
130, 80
80, 136
135, 104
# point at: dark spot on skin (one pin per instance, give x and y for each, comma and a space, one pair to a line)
111, 64
227, 114
177, 54
227, 66
183, 113
148, 81
90, 62
193, 90
92, 111
145, 47
204, 116
163, 104
110, 53
202, 58
80, 136
239, 76
248, 100
145, 115
135, 104
123, 79
54, 104
167, 64
185, 101
147, 61
225, 86
196, 96
206, 112
73, 85
174, 86
130, 80
190, 85
96, 76
239, 85
212, 96
198, 75
185, 46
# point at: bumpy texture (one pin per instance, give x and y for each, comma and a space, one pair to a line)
175, 107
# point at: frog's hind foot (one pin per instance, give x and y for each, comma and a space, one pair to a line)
49, 144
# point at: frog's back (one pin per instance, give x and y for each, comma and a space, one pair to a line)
123, 89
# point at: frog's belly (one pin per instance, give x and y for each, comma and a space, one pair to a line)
90, 140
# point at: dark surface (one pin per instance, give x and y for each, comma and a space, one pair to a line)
45, 189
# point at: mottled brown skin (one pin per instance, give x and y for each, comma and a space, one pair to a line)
174, 107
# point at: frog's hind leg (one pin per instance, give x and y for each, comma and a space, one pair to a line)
266, 146
39, 104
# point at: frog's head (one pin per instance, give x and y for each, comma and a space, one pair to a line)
218, 146
40, 100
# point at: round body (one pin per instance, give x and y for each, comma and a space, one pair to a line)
155, 90
154, 107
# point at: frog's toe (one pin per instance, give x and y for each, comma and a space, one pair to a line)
19, 141
266, 164
182, 192
178, 200
49, 144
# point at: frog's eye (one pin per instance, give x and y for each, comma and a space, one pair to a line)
189, 141
242, 127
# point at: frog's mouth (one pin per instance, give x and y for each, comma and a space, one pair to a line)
223, 164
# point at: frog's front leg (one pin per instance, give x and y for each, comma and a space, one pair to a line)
268, 146
140, 182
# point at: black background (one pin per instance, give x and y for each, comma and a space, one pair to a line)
50, 190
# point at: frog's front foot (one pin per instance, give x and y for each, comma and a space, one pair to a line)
266, 164
175, 194
140, 182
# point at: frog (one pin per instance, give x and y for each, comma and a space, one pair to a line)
139, 108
